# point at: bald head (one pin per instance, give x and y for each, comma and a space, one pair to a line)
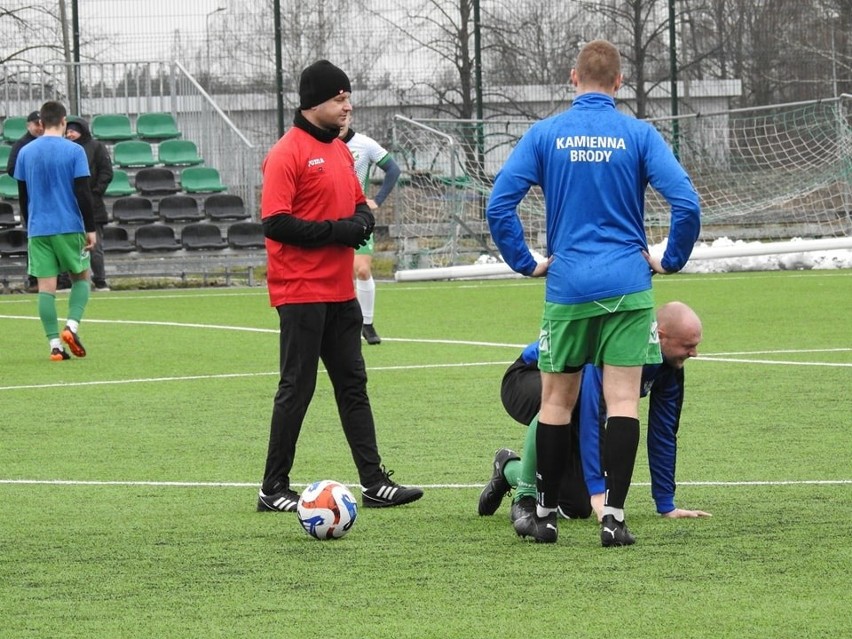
680, 332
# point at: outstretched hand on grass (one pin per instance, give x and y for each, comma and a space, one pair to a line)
681, 513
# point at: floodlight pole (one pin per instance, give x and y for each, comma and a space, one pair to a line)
207, 40
75, 69
673, 68
279, 67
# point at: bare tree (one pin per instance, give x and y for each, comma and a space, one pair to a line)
30, 32
243, 46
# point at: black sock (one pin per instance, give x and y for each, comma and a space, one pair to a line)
621, 440
551, 443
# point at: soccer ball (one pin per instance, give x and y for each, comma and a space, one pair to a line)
327, 510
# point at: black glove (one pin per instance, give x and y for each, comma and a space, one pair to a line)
364, 216
349, 233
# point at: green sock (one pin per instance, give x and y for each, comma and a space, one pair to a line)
512, 472
78, 299
47, 314
525, 486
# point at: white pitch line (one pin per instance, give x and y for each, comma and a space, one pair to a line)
222, 484
780, 362
189, 378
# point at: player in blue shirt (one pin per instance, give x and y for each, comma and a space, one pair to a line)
582, 484
56, 203
593, 165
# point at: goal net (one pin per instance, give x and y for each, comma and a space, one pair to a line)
771, 175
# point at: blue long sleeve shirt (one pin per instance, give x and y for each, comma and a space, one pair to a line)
593, 165
664, 386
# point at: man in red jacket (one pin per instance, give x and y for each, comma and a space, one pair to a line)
314, 216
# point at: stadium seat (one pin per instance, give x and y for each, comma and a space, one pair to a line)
156, 126
202, 235
156, 181
201, 179
8, 187
119, 185
180, 208
5, 150
116, 240
178, 153
133, 210
14, 127
225, 206
7, 215
156, 237
246, 235
13, 242
133, 153
112, 127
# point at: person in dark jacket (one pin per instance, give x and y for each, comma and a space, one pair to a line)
35, 129
100, 168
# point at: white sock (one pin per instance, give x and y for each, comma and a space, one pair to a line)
73, 325
55, 343
542, 512
365, 290
618, 513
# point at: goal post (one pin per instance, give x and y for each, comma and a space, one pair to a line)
772, 180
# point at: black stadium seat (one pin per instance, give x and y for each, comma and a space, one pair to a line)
156, 237
156, 181
246, 235
225, 206
180, 208
116, 240
202, 235
7, 215
133, 210
13, 242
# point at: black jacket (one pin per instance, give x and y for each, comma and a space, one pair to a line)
100, 170
21, 142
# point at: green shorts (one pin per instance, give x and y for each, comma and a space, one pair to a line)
50, 255
367, 249
625, 338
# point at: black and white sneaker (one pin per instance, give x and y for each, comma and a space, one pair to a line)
284, 501
388, 493
492, 495
521, 508
615, 533
543, 530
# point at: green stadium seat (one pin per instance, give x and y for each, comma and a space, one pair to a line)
156, 126
112, 127
178, 153
14, 127
5, 150
8, 187
120, 185
201, 179
133, 153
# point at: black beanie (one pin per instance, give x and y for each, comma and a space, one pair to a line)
320, 82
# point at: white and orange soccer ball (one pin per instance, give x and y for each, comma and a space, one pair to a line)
327, 510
